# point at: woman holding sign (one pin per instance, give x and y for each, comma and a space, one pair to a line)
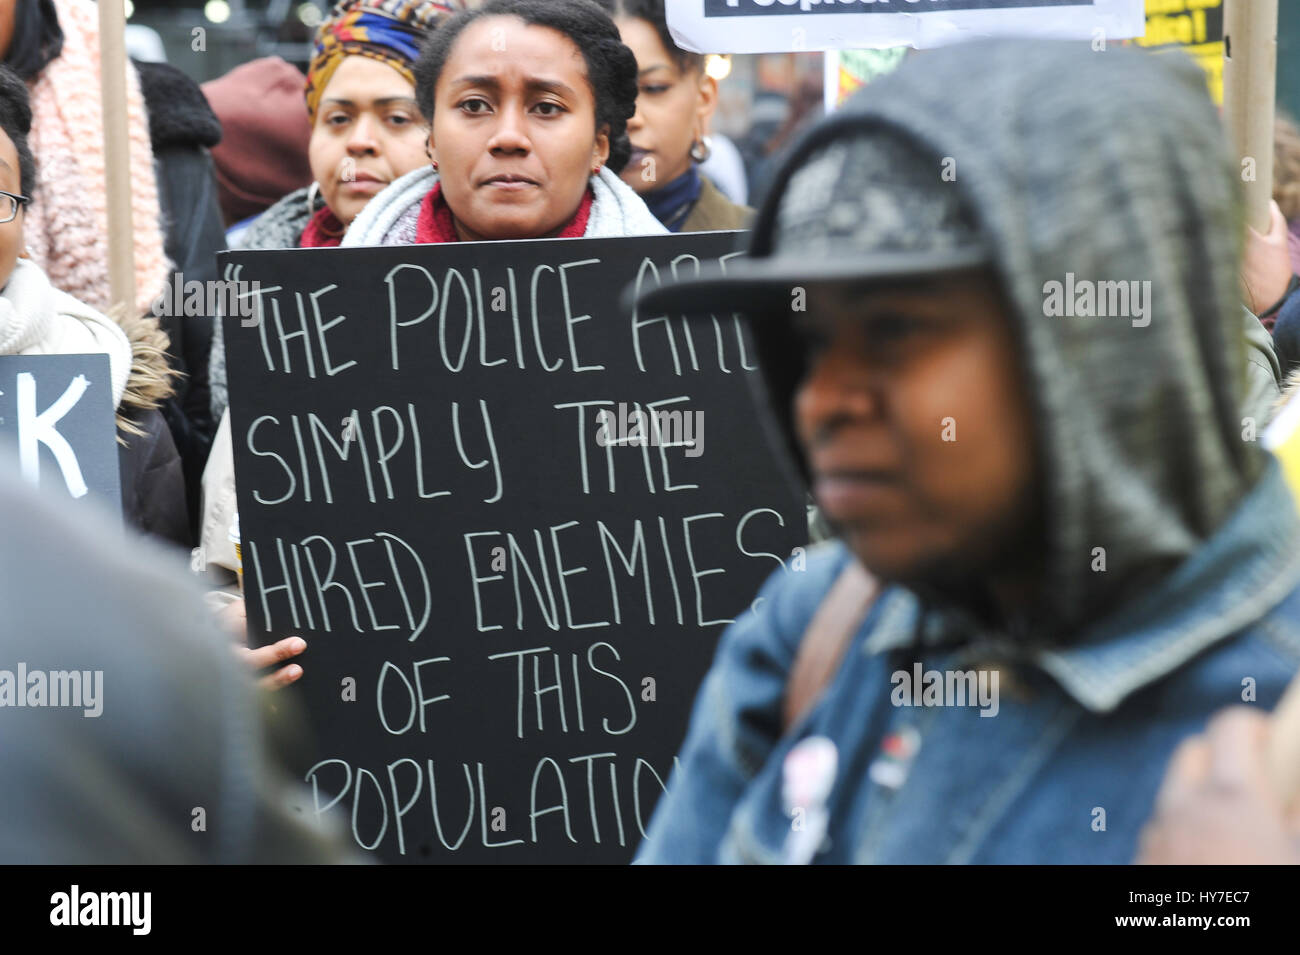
528, 103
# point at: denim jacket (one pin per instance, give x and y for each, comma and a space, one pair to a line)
1067, 769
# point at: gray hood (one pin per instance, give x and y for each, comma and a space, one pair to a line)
1108, 166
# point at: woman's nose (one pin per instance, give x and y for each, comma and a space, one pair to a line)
636, 122
363, 139
509, 134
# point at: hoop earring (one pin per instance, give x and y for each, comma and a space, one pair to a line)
312, 195
701, 150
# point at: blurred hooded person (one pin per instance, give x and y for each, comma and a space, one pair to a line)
1070, 528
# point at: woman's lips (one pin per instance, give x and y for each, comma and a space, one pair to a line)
508, 182
844, 495
366, 186
510, 185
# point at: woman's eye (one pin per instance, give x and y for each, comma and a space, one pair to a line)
656, 89
338, 119
549, 109
399, 119
474, 106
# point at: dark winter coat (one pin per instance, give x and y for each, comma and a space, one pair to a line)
153, 480
182, 127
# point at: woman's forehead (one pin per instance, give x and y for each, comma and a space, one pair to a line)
363, 78
10, 174
506, 46
643, 40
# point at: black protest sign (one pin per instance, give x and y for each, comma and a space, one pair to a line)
511, 522
57, 422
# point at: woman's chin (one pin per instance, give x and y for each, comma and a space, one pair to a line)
345, 210
507, 227
637, 182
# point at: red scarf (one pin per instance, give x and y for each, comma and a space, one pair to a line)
436, 224
323, 231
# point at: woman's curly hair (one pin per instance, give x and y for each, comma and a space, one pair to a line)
611, 67
16, 121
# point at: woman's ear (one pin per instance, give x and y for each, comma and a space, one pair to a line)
600, 151
431, 149
707, 101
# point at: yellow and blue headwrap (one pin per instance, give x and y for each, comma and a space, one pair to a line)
391, 31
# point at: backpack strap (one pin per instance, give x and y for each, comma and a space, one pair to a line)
823, 644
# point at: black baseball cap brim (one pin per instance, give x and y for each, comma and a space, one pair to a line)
764, 286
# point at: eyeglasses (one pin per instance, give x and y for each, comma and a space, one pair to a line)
9, 204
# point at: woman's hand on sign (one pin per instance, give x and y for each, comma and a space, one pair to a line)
1216, 805
1266, 265
235, 619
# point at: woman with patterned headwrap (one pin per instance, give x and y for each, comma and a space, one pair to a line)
365, 126
366, 131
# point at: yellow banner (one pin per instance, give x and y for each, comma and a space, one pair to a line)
1193, 26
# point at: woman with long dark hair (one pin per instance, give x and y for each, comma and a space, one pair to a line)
675, 102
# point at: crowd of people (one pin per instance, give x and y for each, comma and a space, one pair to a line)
1105, 533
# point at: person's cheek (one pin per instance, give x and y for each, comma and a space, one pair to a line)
800, 413
404, 152
944, 429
